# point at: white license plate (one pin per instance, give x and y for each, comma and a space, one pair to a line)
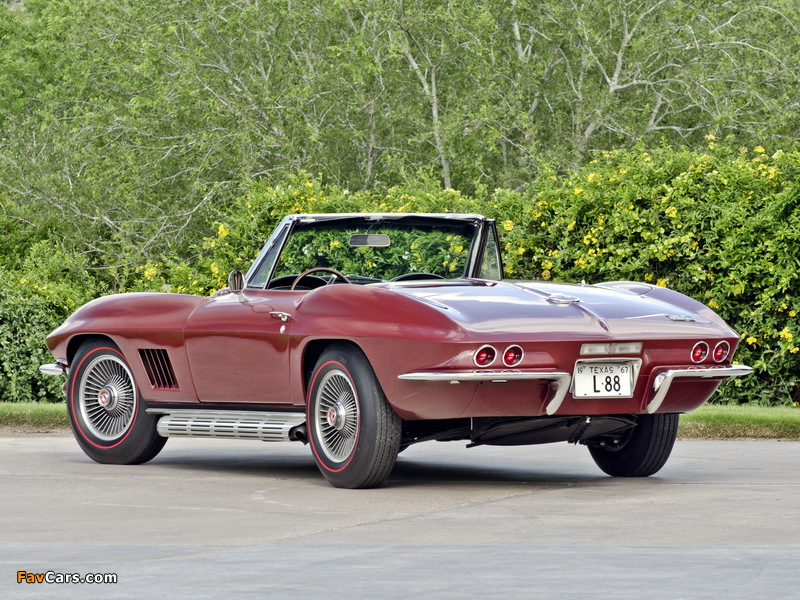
602, 380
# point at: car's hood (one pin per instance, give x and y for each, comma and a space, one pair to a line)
634, 310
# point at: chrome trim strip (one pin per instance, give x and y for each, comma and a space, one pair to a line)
559, 381
231, 424
693, 372
493, 376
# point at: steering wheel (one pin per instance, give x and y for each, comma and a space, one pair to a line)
314, 270
416, 276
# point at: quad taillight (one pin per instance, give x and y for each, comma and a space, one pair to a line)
701, 351
486, 355
721, 351
512, 356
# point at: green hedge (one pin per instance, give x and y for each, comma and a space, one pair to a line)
721, 226
34, 299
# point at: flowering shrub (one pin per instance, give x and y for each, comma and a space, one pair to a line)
722, 226
34, 299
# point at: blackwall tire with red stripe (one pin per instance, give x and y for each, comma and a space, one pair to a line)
354, 432
107, 414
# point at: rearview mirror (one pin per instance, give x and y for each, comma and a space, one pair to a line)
369, 240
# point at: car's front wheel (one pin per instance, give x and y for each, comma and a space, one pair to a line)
107, 415
354, 432
642, 451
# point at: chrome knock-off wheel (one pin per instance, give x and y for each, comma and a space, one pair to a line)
337, 417
107, 397
353, 430
108, 417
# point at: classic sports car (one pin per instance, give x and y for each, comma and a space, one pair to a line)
361, 334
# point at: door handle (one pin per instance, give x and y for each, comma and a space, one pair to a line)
284, 317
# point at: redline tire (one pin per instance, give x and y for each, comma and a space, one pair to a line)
644, 451
108, 417
354, 433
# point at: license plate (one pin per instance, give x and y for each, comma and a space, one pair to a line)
602, 380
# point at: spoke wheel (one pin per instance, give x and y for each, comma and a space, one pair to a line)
107, 397
107, 415
354, 432
336, 416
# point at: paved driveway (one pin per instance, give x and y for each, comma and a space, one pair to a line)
212, 518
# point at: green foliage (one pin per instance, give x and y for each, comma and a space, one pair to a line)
127, 126
721, 226
34, 299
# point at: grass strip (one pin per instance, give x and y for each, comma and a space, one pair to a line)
33, 416
721, 422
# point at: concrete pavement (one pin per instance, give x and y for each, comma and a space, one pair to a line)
207, 517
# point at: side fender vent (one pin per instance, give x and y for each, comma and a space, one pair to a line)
159, 368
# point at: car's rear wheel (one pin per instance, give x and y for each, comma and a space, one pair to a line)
108, 417
642, 451
354, 433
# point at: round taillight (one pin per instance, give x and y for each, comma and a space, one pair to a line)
485, 356
699, 352
721, 351
512, 356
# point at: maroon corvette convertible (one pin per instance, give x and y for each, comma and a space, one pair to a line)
361, 334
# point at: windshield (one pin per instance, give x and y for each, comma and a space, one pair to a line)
378, 250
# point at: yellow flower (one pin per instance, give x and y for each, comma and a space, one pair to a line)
661, 283
792, 313
547, 264
577, 191
786, 334
671, 212
648, 277
571, 226
759, 149
222, 231
713, 304
710, 137
751, 340
150, 272
335, 244
508, 225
